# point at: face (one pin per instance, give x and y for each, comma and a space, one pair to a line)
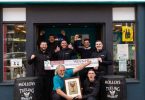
61, 71
64, 44
86, 44
43, 46
51, 39
76, 37
91, 75
99, 45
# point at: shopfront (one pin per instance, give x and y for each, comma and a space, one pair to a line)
119, 25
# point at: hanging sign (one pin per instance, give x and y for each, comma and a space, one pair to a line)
127, 34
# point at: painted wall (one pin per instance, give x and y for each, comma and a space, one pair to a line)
6, 92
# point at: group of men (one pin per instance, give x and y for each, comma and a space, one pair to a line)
52, 51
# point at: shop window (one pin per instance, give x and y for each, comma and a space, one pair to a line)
14, 52
124, 49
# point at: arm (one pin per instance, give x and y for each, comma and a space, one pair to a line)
32, 59
108, 59
58, 88
61, 93
80, 67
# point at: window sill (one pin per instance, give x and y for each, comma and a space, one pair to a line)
132, 81
128, 81
10, 82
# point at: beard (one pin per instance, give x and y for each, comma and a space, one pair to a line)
61, 75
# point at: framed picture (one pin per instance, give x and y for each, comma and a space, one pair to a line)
72, 86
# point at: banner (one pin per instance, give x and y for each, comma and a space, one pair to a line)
127, 34
51, 65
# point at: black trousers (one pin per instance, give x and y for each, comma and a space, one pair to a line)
47, 81
91, 98
55, 96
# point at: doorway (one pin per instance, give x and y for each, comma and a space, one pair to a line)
92, 31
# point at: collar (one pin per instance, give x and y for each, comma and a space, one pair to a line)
41, 52
87, 48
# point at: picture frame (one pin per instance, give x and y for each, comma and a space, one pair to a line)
72, 86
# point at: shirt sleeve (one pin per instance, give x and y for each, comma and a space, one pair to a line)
69, 72
56, 84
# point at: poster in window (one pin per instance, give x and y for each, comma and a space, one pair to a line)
16, 62
122, 65
122, 51
127, 33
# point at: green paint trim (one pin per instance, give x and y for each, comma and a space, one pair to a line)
65, 2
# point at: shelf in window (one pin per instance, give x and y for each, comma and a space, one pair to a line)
124, 43
16, 39
10, 32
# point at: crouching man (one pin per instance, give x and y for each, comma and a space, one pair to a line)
58, 81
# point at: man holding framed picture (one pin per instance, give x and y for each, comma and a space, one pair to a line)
58, 81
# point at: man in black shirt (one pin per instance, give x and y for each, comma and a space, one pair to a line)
103, 57
91, 86
52, 44
85, 52
65, 52
38, 59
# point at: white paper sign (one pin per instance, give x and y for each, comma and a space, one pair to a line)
123, 65
51, 65
122, 51
16, 62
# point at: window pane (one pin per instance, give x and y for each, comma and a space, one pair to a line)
14, 56
124, 49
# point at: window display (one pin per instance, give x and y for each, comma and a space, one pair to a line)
14, 53
124, 49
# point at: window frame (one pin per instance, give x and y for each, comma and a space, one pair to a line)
11, 81
135, 79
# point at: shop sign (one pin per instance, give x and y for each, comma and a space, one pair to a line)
28, 88
112, 88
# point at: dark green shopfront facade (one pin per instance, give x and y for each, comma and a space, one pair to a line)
73, 17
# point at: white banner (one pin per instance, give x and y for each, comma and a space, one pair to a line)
51, 65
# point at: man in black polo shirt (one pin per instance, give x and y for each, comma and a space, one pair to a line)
38, 59
103, 57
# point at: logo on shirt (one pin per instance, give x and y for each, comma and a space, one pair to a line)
67, 53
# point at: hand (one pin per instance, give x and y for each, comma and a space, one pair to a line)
100, 59
33, 56
89, 61
69, 98
96, 68
78, 97
70, 46
57, 49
